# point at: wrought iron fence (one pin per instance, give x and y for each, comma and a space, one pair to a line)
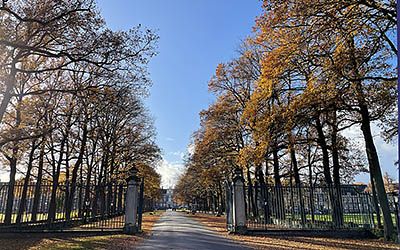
306, 207
51, 206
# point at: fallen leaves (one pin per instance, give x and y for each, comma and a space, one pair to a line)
285, 241
58, 241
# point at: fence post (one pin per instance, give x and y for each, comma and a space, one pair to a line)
239, 209
228, 207
131, 202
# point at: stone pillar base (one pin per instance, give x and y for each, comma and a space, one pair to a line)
241, 230
130, 229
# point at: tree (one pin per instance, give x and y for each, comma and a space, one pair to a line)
71, 106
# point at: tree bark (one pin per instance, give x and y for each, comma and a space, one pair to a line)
38, 184
338, 206
372, 155
298, 183
27, 179
376, 203
10, 191
110, 192
279, 206
324, 149
250, 193
56, 171
76, 168
13, 165
333, 197
310, 183
9, 91
376, 173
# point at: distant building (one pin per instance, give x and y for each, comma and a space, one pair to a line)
166, 199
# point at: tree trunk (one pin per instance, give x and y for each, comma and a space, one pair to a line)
277, 177
279, 206
376, 173
22, 203
90, 165
76, 168
376, 203
220, 200
67, 183
110, 192
9, 91
100, 182
265, 191
338, 206
56, 174
250, 192
298, 183
80, 193
38, 185
324, 149
120, 198
372, 155
327, 173
310, 183
335, 151
13, 165
10, 192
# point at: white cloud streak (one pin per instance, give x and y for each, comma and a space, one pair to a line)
170, 172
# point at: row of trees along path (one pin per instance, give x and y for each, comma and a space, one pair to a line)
309, 72
71, 106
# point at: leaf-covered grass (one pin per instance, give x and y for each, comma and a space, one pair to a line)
26, 217
59, 241
283, 241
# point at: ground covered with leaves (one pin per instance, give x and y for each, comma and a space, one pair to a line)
96, 241
284, 240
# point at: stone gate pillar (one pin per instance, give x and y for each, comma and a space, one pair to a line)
133, 180
238, 209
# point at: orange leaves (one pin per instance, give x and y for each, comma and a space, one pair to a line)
217, 81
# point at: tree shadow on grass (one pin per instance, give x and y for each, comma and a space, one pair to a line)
16, 241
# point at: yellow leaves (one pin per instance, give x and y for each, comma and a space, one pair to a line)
152, 180
248, 54
220, 71
252, 154
218, 80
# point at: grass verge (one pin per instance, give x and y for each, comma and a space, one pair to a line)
283, 241
95, 241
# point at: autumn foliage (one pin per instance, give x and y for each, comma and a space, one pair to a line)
310, 72
71, 102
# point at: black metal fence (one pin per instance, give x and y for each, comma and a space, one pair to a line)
50, 206
310, 208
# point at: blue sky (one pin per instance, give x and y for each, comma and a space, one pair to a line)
195, 35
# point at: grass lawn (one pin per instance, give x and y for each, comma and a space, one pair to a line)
59, 241
283, 241
350, 219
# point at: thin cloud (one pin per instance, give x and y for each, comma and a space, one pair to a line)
170, 172
179, 154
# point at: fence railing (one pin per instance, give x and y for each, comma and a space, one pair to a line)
52, 206
310, 207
